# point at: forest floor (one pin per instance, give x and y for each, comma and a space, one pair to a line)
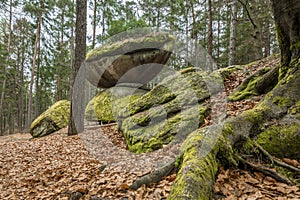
97, 164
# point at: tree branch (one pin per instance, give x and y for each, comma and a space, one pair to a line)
154, 177
248, 13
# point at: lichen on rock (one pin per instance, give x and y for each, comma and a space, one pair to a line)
53, 119
169, 112
107, 104
282, 141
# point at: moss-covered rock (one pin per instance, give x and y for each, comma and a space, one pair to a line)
282, 141
170, 111
106, 105
53, 119
134, 60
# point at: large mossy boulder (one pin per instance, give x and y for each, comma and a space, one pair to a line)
133, 60
169, 112
53, 119
106, 105
283, 138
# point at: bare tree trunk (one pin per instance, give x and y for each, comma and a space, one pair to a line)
76, 124
219, 32
61, 44
233, 23
21, 91
195, 36
5, 68
36, 46
94, 24
10, 120
187, 49
1, 104
267, 45
210, 30
37, 87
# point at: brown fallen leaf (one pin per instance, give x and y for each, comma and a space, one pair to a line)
294, 163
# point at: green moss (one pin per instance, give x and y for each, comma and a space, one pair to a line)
145, 132
254, 115
227, 129
248, 87
197, 173
188, 70
100, 108
295, 46
188, 89
225, 72
53, 119
282, 141
105, 107
249, 148
295, 109
281, 101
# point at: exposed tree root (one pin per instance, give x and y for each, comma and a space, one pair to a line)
197, 174
261, 82
154, 177
277, 162
265, 171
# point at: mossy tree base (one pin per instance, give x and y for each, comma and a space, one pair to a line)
195, 179
260, 82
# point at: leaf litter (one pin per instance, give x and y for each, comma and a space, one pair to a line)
97, 164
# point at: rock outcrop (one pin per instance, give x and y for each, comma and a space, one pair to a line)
169, 112
106, 105
53, 119
134, 60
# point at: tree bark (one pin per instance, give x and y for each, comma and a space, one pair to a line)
61, 56
210, 30
286, 15
94, 24
21, 90
76, 119
233, 23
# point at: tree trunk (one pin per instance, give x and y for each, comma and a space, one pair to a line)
94, 24
21, 90
210, 30
76, 119
267, 35
219, 32
5, 68
233, 23
61, 56
288, 33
